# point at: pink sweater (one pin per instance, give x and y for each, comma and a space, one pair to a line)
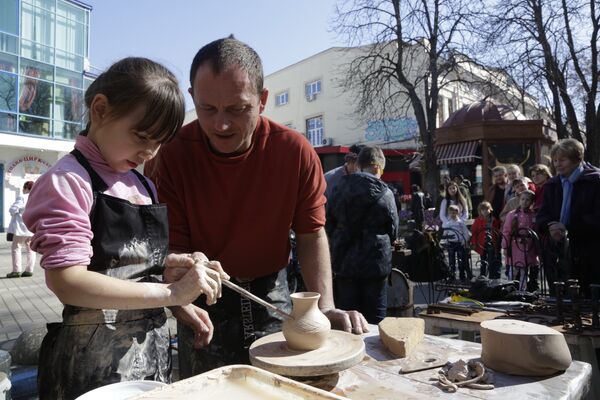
59, 205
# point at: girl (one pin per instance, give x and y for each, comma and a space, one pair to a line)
103, 240
457, 237
453, 197
21, 235
485, 224
521, 249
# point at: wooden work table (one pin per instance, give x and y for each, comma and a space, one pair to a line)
377, 376
582, 346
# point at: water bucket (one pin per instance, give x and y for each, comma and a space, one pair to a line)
121, 390
4, 386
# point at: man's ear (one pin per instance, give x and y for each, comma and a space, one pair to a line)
99, 109
263, 100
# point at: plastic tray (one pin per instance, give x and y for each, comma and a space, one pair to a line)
238, 382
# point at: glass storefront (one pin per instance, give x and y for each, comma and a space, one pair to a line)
42, 69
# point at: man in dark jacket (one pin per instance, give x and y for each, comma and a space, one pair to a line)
571, 210
362, 223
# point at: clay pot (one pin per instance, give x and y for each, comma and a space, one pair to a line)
309, 327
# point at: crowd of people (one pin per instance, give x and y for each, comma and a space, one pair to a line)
527, 222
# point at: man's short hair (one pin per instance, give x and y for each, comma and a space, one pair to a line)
352, 155
570, 148
370, 156
228, 52
499, 168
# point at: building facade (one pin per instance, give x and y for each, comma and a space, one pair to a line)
44, 47
310, 97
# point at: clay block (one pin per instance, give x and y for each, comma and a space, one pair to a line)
401, 335
523, 348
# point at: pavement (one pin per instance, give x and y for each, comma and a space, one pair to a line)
25, 303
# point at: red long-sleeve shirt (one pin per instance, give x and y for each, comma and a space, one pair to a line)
239, 210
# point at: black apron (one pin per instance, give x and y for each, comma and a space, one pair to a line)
92, 348
238, 322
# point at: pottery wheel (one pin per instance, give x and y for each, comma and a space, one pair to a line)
340, 351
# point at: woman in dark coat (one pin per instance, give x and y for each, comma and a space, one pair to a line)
571, 210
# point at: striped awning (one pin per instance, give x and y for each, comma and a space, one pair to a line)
456, 153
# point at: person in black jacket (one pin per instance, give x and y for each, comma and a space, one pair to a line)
362, 223
417, 205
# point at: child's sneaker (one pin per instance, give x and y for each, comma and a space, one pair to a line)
26, 274
13, 275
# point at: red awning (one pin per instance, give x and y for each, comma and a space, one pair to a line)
457, 153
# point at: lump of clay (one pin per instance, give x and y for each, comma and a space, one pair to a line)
522, 348
401, 335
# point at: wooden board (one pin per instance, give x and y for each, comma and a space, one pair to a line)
340, 351
238, 382
477, 317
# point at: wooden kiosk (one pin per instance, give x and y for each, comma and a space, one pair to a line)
482, 135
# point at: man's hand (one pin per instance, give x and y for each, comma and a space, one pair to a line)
197, 319
348, 321
557, 231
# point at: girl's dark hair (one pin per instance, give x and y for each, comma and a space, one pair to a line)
135, 81
28, 185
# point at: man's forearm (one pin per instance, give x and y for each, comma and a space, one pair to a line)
315, 265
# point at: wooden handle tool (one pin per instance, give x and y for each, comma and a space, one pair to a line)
254, 298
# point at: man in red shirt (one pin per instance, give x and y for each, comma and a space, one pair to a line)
235, 183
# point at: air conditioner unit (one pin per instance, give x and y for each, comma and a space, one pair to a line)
327, 141
311, 97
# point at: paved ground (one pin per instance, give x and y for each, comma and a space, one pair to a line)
24, 302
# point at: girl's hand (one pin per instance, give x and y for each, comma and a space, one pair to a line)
197, 319
199, 279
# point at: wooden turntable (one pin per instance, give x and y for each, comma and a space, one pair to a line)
340, 351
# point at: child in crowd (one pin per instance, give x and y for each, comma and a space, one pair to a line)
103, 240
453, 197
519, 186
518, 240
484, 238
457, 237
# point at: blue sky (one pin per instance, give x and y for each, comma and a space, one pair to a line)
171, 32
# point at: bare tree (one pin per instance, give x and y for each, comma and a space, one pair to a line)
408, 50
555, 44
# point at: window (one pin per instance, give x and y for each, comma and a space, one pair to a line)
314, 130
8, 92
281, 99
9, 16
312, 89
